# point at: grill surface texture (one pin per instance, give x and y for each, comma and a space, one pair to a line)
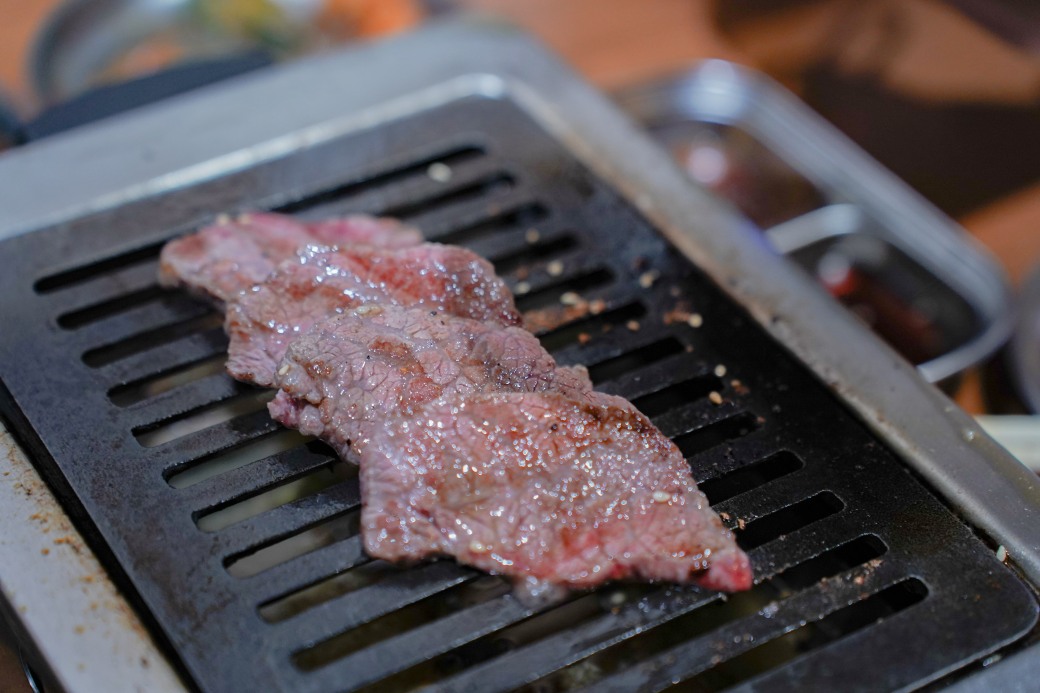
239, 541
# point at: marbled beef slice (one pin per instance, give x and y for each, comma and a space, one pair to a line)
543, 488
374, 363
321, 283
235, 253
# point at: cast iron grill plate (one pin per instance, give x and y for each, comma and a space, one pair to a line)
239, 541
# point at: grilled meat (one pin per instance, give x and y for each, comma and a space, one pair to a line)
321, 283
234, 254
543, 487
349, 375
408, 358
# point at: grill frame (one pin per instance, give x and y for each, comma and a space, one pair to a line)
522, 66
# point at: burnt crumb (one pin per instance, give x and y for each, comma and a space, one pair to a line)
647, 279
554, 427
682, 314
572, 298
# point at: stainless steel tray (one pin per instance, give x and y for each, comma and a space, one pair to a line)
811, 186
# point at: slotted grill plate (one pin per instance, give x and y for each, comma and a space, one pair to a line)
240, 541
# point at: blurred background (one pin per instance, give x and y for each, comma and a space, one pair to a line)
944, 93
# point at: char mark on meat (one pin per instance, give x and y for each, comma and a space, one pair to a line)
322, 283
543, 487
234, 254
352, 373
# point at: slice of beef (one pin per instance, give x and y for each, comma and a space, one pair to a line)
354, 372
544, 488
322, 283
234, 254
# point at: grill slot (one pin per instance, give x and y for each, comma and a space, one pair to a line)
260, 526
518, 258
752, 476
635, 359
168, 357
789, 519
643, 643
553, 292
421, 167
485, 186
519, 221
82, 274
353, 580
416, 615
690, 658
114, 306
423, 643
318, 535
234, 401
571, 332
662, 401
150, 339
714, 433
138, 324
166, 380
846, 621
260, 501
224, 461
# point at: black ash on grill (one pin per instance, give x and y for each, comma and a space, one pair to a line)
407, 357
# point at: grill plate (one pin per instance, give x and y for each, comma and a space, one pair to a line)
795, 468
